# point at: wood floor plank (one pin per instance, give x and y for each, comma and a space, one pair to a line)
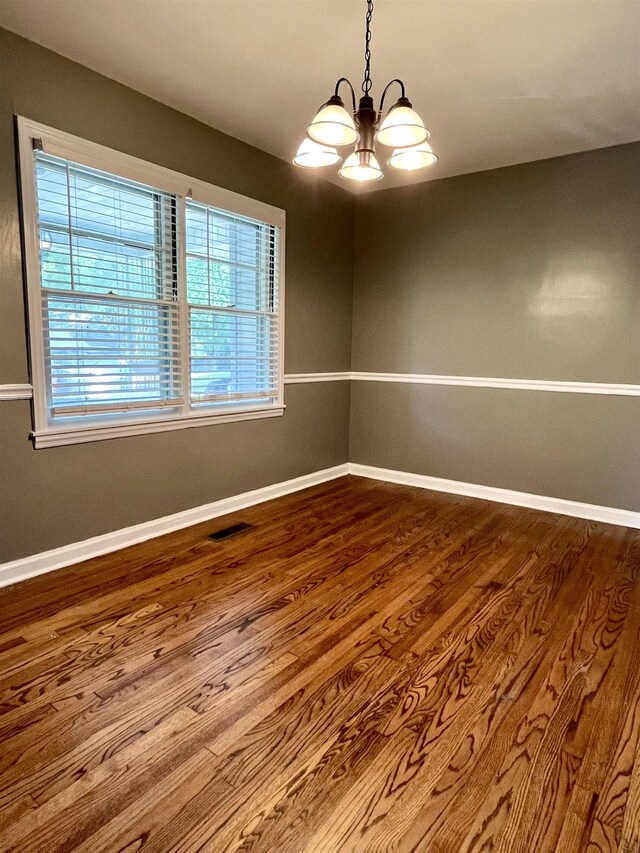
372, 667
578, 820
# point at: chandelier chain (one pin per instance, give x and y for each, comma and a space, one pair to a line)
366, 83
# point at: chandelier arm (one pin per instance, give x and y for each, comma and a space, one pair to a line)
353, 94
386, 88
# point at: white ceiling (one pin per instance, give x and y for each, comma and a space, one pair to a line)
497, 81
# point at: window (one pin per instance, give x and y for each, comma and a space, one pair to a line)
155, 301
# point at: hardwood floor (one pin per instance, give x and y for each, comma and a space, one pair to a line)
371, 668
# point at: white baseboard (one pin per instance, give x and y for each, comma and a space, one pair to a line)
593, 512
57, 558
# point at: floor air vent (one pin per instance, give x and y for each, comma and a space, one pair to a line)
230, 531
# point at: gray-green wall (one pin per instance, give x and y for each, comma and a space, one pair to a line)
59, 495
527, 272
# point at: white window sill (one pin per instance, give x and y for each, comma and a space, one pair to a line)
57, 437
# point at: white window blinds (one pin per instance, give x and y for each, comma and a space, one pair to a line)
109, 291
233, 311
151, 303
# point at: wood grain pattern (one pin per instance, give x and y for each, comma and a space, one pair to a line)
372, 668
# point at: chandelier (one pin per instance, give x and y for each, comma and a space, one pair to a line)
402, 130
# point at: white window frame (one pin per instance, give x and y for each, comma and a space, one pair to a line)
77, 430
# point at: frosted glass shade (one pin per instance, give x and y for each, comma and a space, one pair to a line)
415, 157
361, 166
333, 126
312, 155
402, 127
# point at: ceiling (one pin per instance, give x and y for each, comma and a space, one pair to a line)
497, 81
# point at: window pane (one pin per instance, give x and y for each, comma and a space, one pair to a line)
108, 207
55, 259
232, 355
51, 180
100, 233
117, 269
71, 195
198, 280
230, 260
196, 229
108, 353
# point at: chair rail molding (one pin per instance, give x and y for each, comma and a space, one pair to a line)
620, 389
557, 385
25, 391
299, 378
16, 392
